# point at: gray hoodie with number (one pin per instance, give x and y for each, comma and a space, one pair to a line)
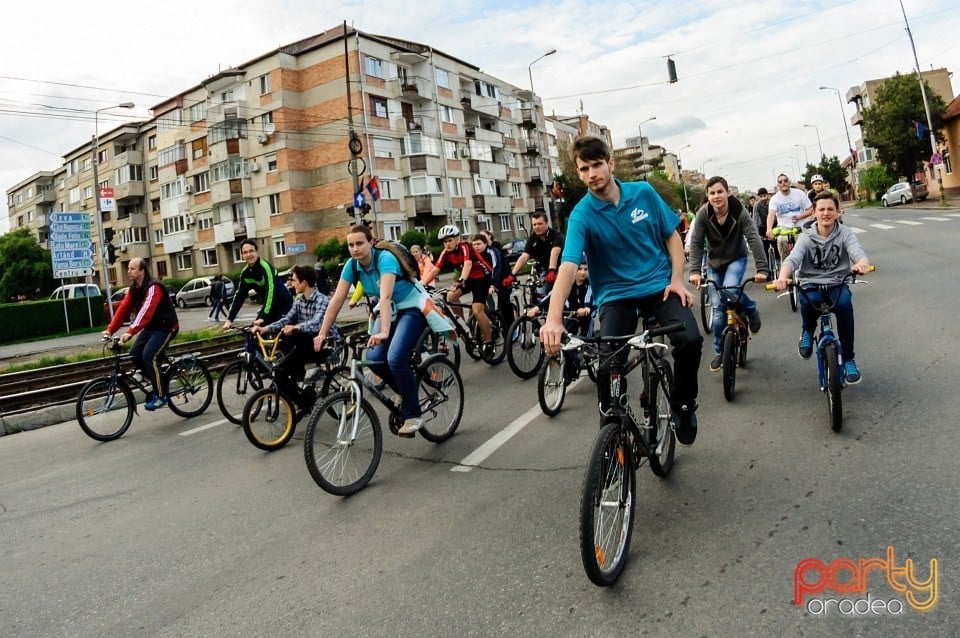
824, 260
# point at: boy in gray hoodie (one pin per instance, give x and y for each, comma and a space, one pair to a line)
825, 253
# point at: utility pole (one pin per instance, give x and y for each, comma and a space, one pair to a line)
354, 143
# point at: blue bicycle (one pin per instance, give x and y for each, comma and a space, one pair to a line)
829, 354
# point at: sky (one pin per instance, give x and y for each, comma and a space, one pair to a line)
749, 72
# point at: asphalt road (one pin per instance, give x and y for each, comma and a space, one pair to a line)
179, 531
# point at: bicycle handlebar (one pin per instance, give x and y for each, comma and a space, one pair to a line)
780, 230
851, 276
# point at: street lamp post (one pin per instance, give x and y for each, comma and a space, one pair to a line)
533, 104
96, 198
843, 116
703, 165
819, 145
686, 204
643, 159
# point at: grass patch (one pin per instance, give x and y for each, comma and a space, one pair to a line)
47, 362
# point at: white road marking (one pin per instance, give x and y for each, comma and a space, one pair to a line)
937, 219
953, 215
908, 222
500, 438
856, 230
208, 426
881, 227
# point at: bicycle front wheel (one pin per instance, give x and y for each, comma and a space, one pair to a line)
342, 458
189, 387
524, 352
268, 419
551, 385
236, 384
794, 298
706, 310
772, 262
728, 358
105, 409
606, 507
661, 442
831, 370
441, 400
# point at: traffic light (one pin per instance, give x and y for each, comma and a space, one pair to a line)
671, 71
108, 234
365, 210
111, 253
349, 211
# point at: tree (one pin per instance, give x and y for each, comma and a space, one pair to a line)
24, 266
830, 169
876, 179
890, 125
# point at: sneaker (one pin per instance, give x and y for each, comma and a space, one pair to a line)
716, 363
488, 348
805, 345
155, 402
410, 426
851, 371
755, 322
685, 424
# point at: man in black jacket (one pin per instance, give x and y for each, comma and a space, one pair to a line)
260, 276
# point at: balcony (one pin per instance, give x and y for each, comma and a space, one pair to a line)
481, 104
178, 242
528, 118
489, 170
534, 173
128, 190
426, 204
413, 88
231, 230
225, 190
491, 204
493, 138
537, 203
857, 119
126, 158
531, 147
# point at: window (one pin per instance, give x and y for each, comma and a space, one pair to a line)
266, 119
446, 114
388, 189
484, 186
136, 235
271, 161
449, 149
504, 223
443, 78
208, 256
155, 206
104, 183
154, 172
169, 120
264, 84
172, 189
102, 156
385, 147
201, 182
152, 143
128, 173
173, 225
184, 261
236, 254
374, 67
61, 183
456, 188
393, 230
424, 185
74, 196
275, 204
481, 151
227, 96
199, 147
87, 192
521, 222
515, 190
232, 168
162, 270
87, 164
73, 167
378, 106
197, 112
279, 247
947, 164
487, 89
171, 154
231, 129
418, 143
158, 236
465, 227
205, 220
29, 215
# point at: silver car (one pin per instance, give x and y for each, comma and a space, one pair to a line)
196, 292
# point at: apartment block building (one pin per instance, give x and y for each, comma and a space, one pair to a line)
261, 151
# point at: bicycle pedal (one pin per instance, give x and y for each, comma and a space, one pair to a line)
406, 436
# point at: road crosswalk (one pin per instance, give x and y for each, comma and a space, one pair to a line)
891, 224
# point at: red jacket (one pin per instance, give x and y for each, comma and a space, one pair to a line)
152, 305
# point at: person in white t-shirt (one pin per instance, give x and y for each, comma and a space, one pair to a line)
788, 206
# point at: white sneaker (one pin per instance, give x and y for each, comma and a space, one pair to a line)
410, 426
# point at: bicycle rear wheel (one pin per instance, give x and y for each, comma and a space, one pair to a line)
339, 462
269, 419
105, 409
706, 311
660, 438
728, 357
441, 400
524, 352
551, 385
189, 387
606, 507
431, 342
236, 384
499, 341
834, 389
591, 360
744, 333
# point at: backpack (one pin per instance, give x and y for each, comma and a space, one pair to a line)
408, 263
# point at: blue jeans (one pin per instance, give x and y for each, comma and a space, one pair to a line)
730, 275
144, 353
393, 358
843, 311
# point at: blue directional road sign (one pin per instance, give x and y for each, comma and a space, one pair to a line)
70, 246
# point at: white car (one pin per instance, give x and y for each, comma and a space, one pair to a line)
196, 292
901, 193
73, 291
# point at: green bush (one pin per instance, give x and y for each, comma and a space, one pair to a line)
412, 237
31, 319
333, 248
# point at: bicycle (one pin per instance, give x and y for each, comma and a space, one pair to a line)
830, 372
560, 370
706, 306
468, 331
105, 406
790, 234
735, 336
239, 379
270, 416
609, 487
343, 442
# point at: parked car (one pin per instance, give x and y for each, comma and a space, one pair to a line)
512, 249
73, 291
115, 300
196, 292
901, 193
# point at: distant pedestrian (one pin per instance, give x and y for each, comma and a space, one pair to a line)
218, 297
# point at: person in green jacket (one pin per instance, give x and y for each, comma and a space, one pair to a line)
258, 275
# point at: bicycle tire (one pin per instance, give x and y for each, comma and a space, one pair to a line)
794, 298
591, 360
335, 380
499, 342
105, 409
728, 358
524, 352
773, 262
236, 384
189, 387
551, 385
431, 342
661, 439
606, 507
744, 333
706, 311
834, 387
472, 340
441, 399
269, 419
340, 466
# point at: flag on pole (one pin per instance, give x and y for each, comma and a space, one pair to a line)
373, 187
918, 125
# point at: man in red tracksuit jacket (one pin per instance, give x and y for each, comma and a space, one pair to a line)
155, 321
